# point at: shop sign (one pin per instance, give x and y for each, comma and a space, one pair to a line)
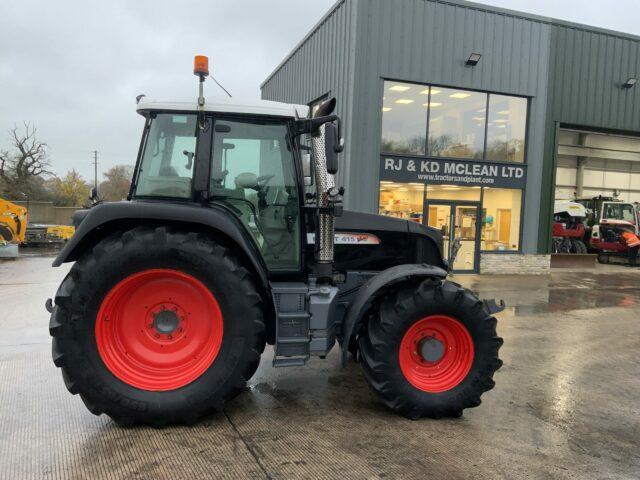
434, 171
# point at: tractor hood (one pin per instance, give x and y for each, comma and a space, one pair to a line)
365, 241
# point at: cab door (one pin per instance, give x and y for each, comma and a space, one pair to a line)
253, 173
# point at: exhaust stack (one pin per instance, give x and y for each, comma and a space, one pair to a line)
324, 128
325, 195
326, 144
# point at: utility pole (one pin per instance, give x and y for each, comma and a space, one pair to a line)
95, 169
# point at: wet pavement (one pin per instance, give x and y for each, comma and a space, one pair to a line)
566, 402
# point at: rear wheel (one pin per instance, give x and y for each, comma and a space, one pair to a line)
157, 326
430, 351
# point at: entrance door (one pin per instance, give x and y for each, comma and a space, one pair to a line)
457, 221
504, 225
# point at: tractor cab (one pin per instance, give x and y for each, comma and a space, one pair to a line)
607, 219
239, 156
602, 209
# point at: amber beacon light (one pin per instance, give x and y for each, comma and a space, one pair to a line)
201, 66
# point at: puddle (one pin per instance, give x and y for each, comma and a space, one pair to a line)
579, 299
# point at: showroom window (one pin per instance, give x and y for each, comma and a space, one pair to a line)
452, 123
456, 123
455, 192
404, 118
501, 209
402, 200
506, 128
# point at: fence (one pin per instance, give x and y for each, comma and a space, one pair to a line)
46, 213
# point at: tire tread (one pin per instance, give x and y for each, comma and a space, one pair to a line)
66, 318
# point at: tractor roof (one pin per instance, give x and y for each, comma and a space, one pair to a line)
230, 105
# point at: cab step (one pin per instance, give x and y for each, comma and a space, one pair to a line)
292, 324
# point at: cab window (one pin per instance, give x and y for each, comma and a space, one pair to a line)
252, 172
166, 169
619, 211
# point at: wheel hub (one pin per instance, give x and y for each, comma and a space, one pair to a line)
431, 349
166, 321
159, 329
436, 353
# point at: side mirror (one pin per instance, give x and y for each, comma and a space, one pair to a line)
306, 169
332, 147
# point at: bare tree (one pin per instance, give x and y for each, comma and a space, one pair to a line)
22, 167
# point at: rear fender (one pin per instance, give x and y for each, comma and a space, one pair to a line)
104, 219
374, 287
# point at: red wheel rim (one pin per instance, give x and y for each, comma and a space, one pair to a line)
455, 355
159, 330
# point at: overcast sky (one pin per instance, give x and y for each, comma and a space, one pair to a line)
74, 67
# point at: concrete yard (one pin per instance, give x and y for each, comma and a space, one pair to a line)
566, 402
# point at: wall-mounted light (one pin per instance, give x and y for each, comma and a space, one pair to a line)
630, 83
473, 59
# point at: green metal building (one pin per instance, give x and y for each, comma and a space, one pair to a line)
471, 118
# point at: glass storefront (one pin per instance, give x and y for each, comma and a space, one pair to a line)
500, 210
452, 123
506, 128
402, 200
456, 126
459, 146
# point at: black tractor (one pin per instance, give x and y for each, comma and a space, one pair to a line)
233, 237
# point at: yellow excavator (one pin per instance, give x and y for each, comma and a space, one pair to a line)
14, 230
13, 223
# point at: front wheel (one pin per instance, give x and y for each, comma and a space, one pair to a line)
430, 350
578, 246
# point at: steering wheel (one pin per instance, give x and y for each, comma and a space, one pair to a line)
264, 180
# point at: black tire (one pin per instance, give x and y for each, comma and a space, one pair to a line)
578, 246
603, 258
379, 346
78, 300
6, 233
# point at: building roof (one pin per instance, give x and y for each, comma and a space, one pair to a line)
230, 105
464, 4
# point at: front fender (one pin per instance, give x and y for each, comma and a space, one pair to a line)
105, 218
369, 291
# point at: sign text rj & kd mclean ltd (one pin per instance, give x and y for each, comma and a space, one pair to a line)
457, 172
